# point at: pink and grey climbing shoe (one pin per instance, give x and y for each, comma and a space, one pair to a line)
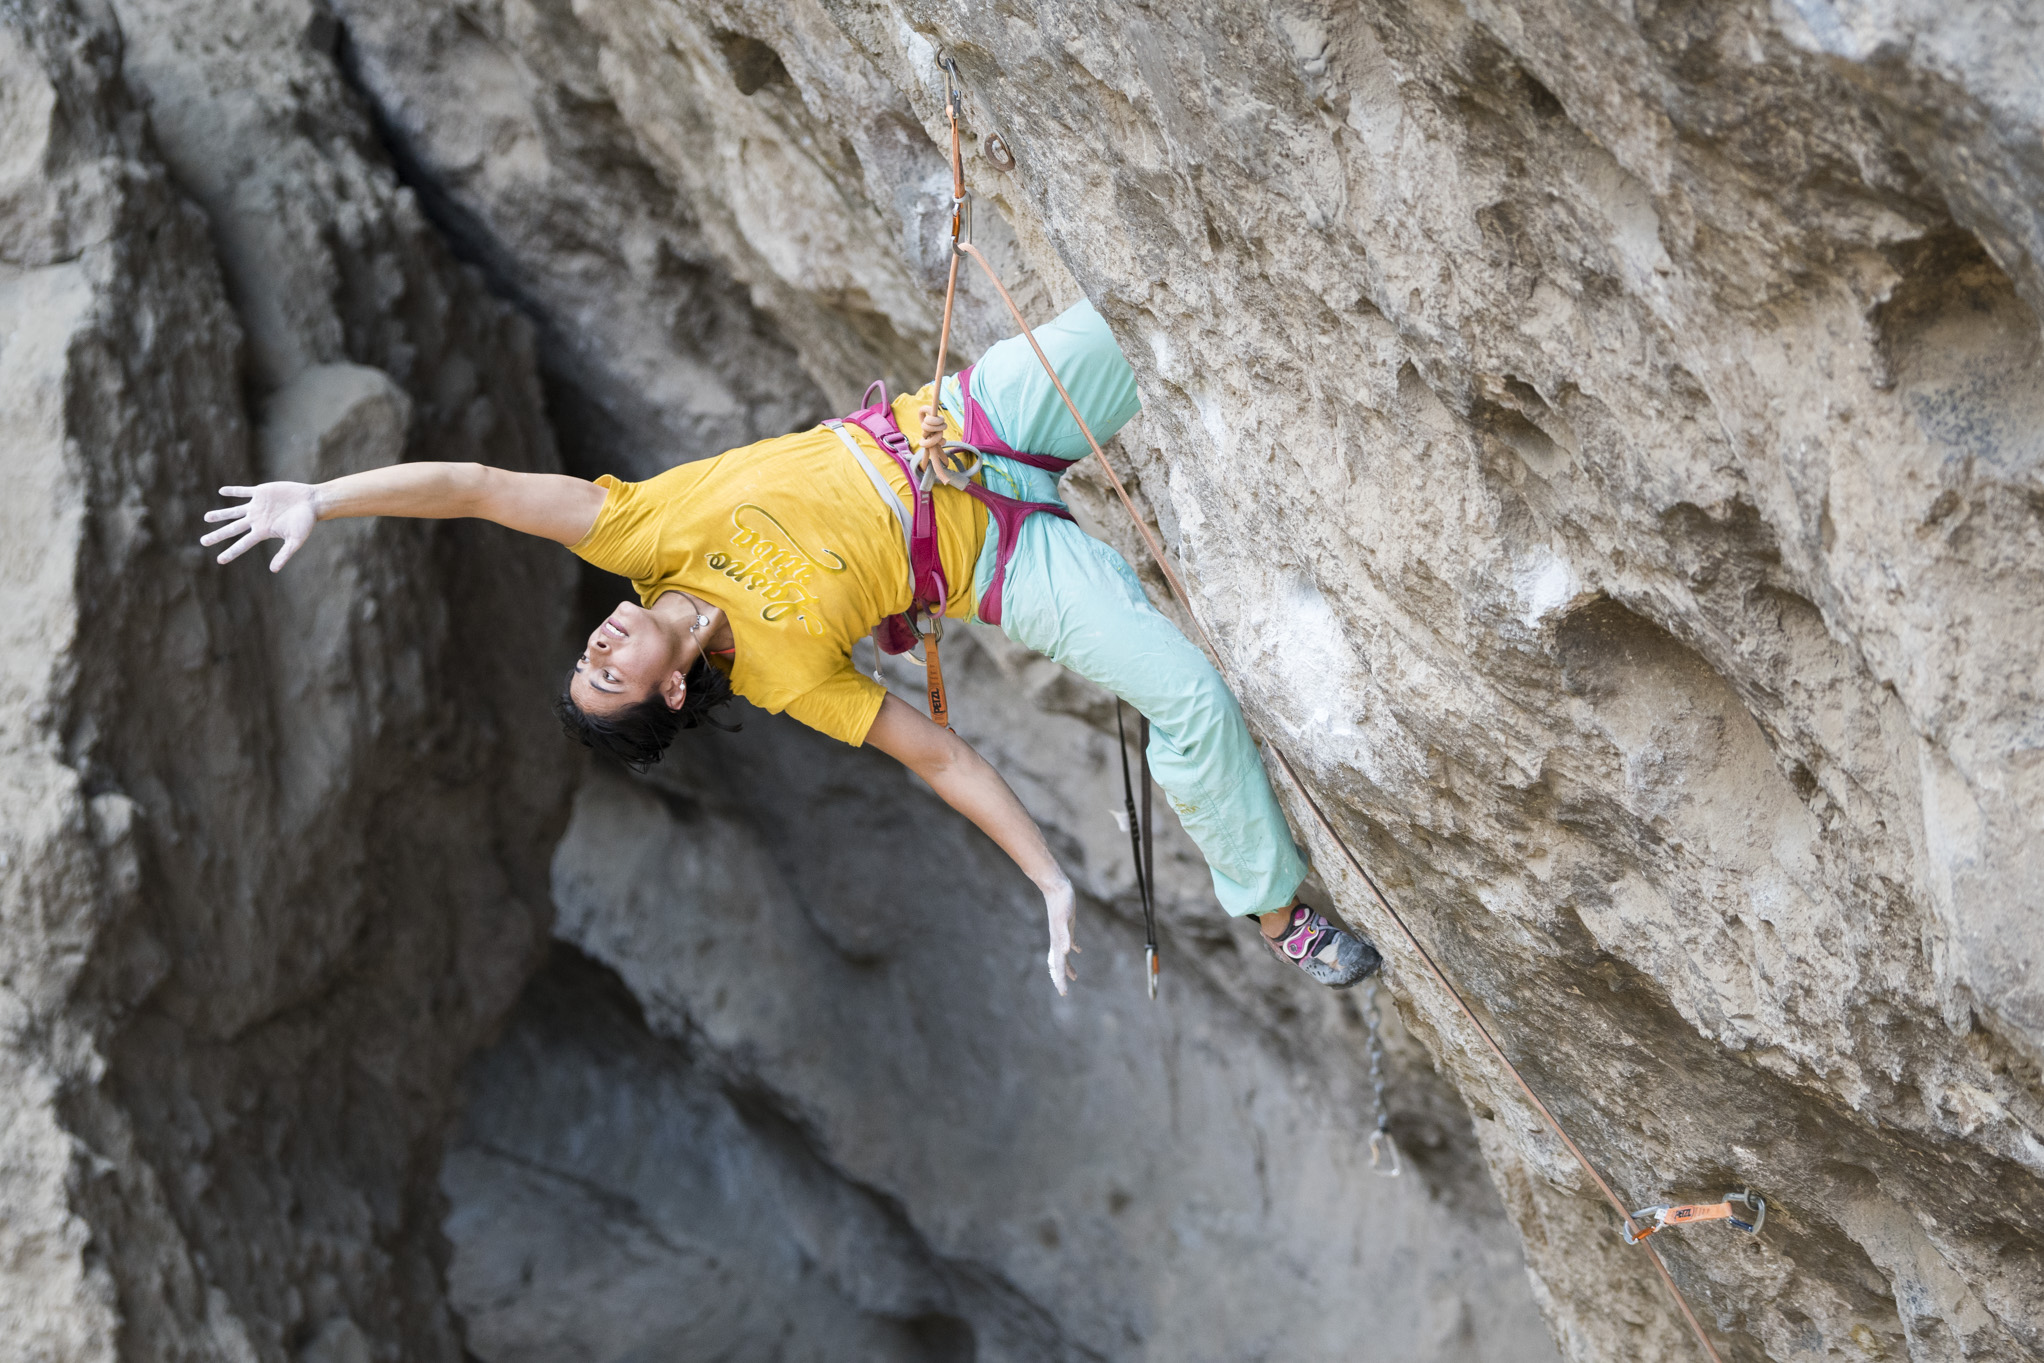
1334, 957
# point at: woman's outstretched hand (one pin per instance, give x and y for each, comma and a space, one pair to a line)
273, 511
964, 780
1059, 903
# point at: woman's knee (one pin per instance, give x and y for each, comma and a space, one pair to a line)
1200, 716
1211, 697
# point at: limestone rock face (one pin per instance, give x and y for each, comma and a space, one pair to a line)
1605, 445
273, 852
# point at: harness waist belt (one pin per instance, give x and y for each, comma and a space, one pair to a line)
928, 588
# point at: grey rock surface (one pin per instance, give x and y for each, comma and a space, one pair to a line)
1606, 444
273, 851
849, 1093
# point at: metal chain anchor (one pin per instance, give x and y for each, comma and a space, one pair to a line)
1384, 1160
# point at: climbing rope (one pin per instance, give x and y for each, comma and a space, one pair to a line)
963, 246
933, 636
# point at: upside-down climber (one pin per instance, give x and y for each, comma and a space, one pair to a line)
756, 571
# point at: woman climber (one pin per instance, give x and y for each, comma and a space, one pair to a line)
756, 570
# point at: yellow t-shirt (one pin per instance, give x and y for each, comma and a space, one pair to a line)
790, 538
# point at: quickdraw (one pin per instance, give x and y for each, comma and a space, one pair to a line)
1689, 1213
1141, 844
929, 589
940, 710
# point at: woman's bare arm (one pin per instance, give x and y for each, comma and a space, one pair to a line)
550, 505
970, 785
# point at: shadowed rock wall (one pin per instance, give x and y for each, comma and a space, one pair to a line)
273, 855
275, 846
851, 1106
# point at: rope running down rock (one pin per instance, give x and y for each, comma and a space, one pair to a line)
966, 247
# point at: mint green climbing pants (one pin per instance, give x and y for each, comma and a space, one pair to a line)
1073, 599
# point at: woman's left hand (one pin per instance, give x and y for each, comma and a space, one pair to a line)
273, 511
1060, 903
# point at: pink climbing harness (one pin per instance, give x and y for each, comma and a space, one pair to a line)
979, 433
928, 588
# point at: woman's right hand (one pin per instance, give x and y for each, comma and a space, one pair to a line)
273, 511
1059, 904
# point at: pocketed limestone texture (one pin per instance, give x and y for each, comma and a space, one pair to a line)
1606, 444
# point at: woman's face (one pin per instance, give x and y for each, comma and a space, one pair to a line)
628, 657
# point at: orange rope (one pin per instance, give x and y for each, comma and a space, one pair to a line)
933, 664
957, 225
1326, 824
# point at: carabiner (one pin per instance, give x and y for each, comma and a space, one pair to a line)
1384, 1161
953, 475
954, 86
1640, 1217
927, 627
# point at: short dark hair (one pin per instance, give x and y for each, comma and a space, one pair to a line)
637, 734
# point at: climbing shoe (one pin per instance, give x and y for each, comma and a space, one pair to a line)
1330, 955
